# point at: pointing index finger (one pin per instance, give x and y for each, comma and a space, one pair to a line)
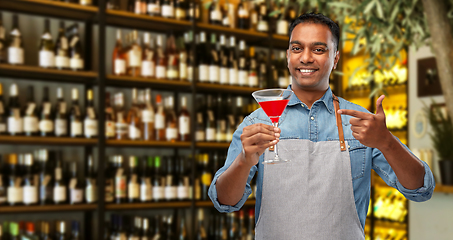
354, 113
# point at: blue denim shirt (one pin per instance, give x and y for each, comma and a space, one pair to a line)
319, 124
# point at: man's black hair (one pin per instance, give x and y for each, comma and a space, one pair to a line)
319, 19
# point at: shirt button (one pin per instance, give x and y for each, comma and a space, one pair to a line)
312, 118
302, 105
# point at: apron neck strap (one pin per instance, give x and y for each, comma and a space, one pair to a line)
336, 104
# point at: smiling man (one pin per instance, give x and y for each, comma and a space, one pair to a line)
323, 192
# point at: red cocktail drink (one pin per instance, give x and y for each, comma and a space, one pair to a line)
274, 109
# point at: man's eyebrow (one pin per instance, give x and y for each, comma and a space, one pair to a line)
312, 44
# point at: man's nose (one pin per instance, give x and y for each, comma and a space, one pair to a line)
306, 56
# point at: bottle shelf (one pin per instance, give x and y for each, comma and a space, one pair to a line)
35, 140
280, 41
139, 21
443, 188
212, 145
51, 8
44, 74
209, 87
182, 86
250, 36
140, 143
48, 208
249, 203
159, 205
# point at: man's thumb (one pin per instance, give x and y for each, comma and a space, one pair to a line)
379, 108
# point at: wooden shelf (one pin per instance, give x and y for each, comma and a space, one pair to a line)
173, 85
139, 143
37, 73
250, 36
280, 41
212, 145
210, 204
145, 22
47, 140
50, 8
209, 87
132, 206
47, 208
443, 188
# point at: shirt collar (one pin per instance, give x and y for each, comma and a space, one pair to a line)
327, 99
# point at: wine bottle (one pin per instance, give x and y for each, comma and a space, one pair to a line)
184, 121
168, 9
109, 118
158, 234
221, 121
183, 59
61, 50
2, 113
223, 61
145, 233
59, 186
263, 20
90, 182
173, 58
201, 230
283, 74
231, 121
46, 48
137, 6
160, 59
242, 65
252, 69
30, 119
118, 56
182, 229
61, 120
148, 63
188, 38
16, 44
251, 225
146, 189
200, 131
133, 187
3, 56
15, 126
61, 231
214, 62
120, 180
45, 231
182, 179
75, 231
75, 185
158, 180
133, 118
159, 121
180, 9
76, 61
46, 127
232, 63
238, 111
2, 183
243, 15
14, 194
147, 113
136, 225
206, 176
86, 2
171, 121
75, 115
134, 56
282, 24
121, 126
170, 180
45, 177
203, 59
113, 4
226, 9
193, 11
262, 70
131, 5
253, 20
215, 13
30, 182
210, 120
109, 188
153, 7
90, 123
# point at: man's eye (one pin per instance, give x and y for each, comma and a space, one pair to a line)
296, 48
319, 50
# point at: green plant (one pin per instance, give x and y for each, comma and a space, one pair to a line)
442, 132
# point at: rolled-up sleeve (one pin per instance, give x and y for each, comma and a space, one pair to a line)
383, 169
233, 151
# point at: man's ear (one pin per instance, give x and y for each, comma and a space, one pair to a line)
337, 58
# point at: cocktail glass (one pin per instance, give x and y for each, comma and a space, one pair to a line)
273, 102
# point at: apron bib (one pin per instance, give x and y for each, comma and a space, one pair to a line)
311, 197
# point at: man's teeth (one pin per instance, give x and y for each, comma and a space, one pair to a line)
306, 70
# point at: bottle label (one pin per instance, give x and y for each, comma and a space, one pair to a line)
171, 133
30, 124
172, 73
170, 192
146, 191
148, 69
14, 194
282, 81
46, 125
61, 126
214, 74
168, 11
253, 80
76, 63
133, 190
46, 58
59, 193
15, 55
210, 134
90, 192
147, 116
183, 192
109, 129
242, 12
135, 57
224, 78
158, 192
61, 62
76, 195
184, 125
189, 73
109, 195
134, 132
30, 194
203, 73
182, 70
159, 122
282, 27
2, 127
242, 77
262, 26
233, 76
153, 8
216, 15
180, 13
120, 66
15, 124
200, 136
120, 185
161, 71
86, 2
76, 128
226, 21
91, 127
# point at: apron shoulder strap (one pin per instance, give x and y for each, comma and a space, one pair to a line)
336, 104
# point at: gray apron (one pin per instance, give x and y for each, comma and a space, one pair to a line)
311, 197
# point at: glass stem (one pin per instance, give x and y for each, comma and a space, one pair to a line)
275, 124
